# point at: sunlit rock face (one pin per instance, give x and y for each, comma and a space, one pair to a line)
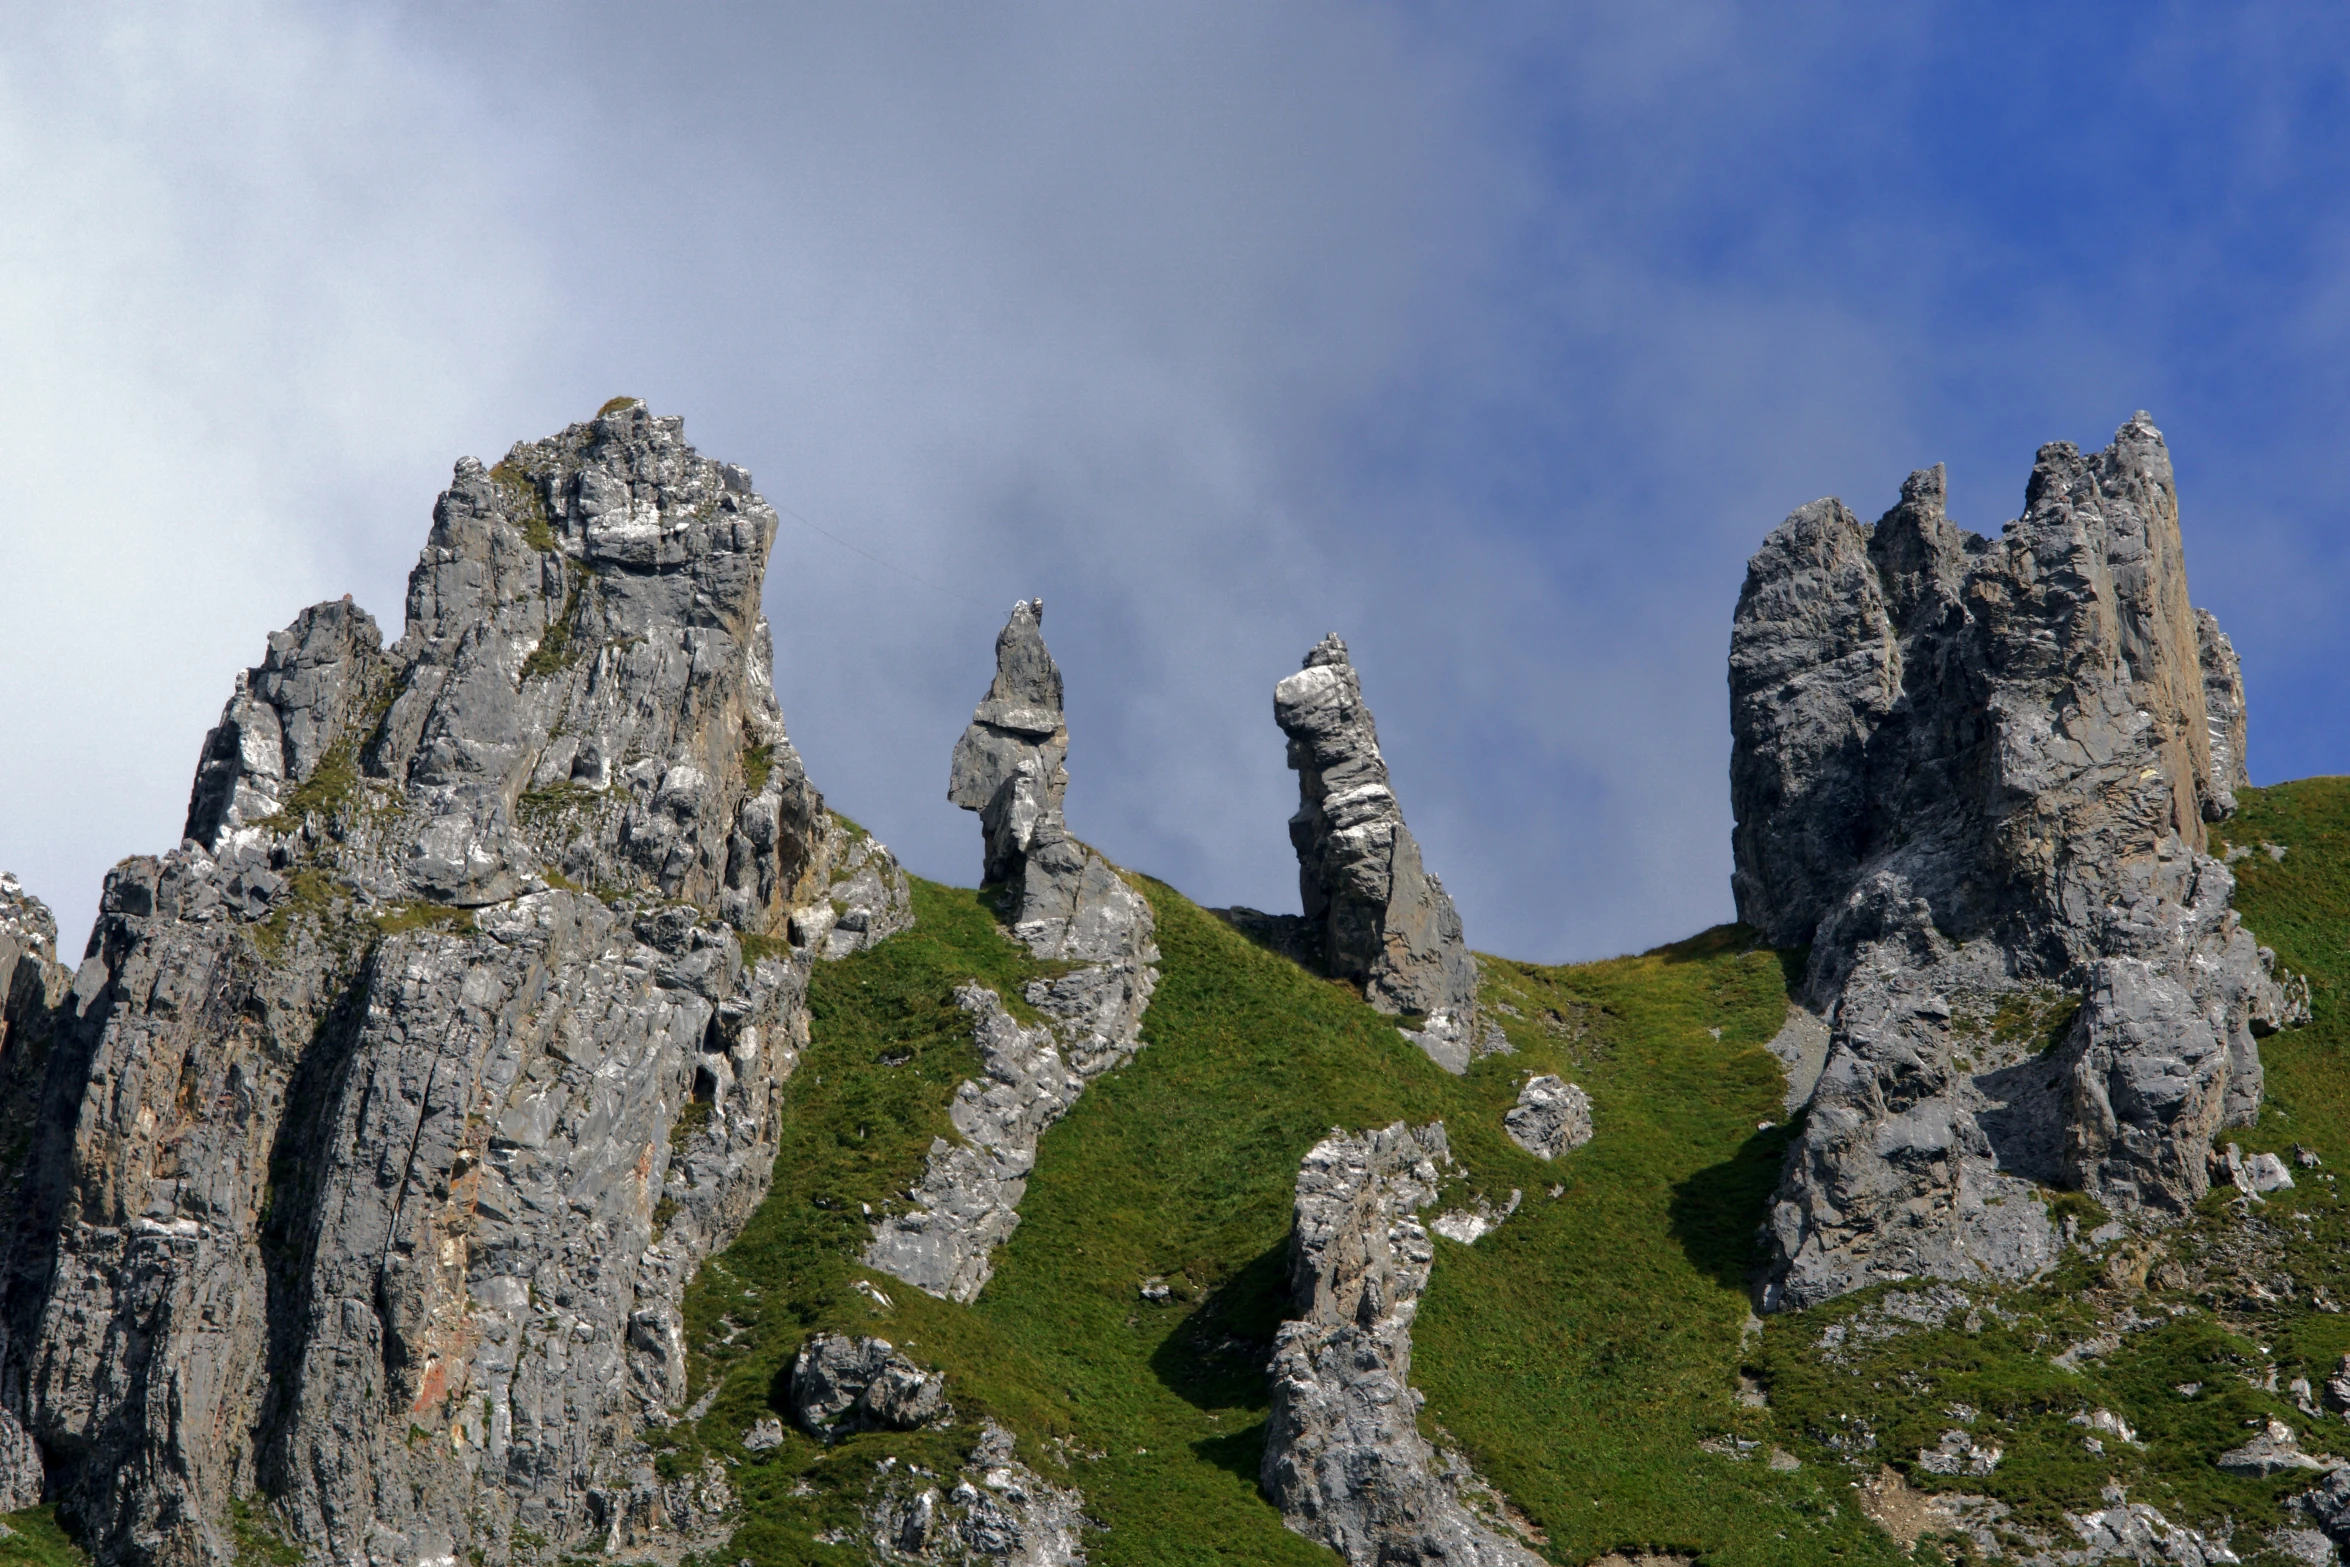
383, 1124
1973, 775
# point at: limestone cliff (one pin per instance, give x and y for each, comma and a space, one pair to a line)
1974, 776
384, 1123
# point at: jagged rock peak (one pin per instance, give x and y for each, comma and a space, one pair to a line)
1374, 913
1009, 764
1344, 1458
1967, 771
389, 1065
27, 927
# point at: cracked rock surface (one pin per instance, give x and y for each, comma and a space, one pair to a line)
1551, 1117
1070, 904
1344, 1458
1974, 776
1374, 913
996, 1511
384, 1123
842, 1385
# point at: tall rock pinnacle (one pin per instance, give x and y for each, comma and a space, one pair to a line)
1974, 776
1069, 902
1374, 913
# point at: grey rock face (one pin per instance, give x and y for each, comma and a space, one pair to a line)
32, 984
997, 1510
1551, 1117
842, 1385
968, 1201
2326, 1506
1374, 913
1072, 905
1344, 1458
1967, 771
391, 1113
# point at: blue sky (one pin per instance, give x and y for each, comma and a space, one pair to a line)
1494, 339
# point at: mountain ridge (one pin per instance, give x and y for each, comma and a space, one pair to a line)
523, 1122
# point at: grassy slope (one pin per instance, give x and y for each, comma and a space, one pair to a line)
2242, 1320
1579, 1354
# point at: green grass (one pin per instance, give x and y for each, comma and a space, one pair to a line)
562, 646
758, 762
34, 1540
1579, 1354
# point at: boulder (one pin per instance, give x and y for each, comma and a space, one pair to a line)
1973, 776
842, 1385
1374, 913
2273, 1451
1551, 1117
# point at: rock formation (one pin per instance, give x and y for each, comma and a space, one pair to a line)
1070, 904
32, 984
388, 1115
2223, 712
1344, 1458
1374, 914
1552, 1116
1973, 775
998, 1510
842, 1385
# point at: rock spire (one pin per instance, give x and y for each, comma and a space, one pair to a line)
1974, 776
364, 1190
1374, 913
1069, 904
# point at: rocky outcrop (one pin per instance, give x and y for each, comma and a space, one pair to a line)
1552, 1116
842, 1385
1069, 904
390, 1113
1374, 914
1973, 775
1344, 1458
996, 1510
